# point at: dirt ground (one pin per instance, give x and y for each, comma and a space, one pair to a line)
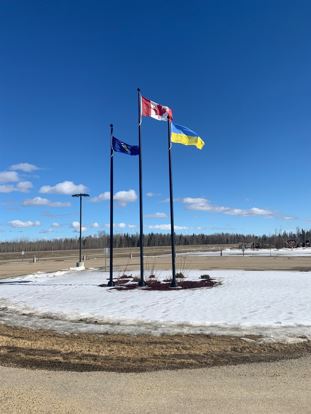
41, 349
155, 258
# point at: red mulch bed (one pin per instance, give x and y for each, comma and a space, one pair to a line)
128, 282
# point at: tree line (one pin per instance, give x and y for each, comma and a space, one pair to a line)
278, 240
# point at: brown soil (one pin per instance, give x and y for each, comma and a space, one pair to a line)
20, 347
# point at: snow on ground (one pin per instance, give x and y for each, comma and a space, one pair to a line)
276, 304
299, 251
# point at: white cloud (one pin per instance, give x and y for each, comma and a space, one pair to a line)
181, 227
39, 201
167, 200
23, 186
24, 224
51, 229
202, 204
59, 204
101, 197
197, 201
117, 225
95, 225
76, 226
65, 187
151, 194
255, 211
25, 167
122, 197
8, 177
157, 215
166, 227
121, 225
7, 188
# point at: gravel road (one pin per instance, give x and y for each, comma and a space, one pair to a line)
278, 387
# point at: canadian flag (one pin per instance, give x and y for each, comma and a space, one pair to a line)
154, 110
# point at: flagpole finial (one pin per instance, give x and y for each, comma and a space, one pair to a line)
138, 89
111, 125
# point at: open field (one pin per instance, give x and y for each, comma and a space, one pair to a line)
118, 252
13, 264
155, 258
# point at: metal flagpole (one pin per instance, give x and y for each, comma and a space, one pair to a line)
141, 223
111, 282
173, 282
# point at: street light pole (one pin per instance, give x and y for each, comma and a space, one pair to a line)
80, 195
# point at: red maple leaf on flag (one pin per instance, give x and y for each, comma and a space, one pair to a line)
155, 110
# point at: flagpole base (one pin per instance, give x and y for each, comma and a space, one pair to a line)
173, 284
111, 283
141, 283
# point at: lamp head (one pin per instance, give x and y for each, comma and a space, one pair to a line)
80, 195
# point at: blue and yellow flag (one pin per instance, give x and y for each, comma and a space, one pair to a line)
183, 135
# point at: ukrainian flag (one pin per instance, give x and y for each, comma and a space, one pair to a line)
185, 136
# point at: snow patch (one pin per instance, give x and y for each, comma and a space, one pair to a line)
286, 252
275, 304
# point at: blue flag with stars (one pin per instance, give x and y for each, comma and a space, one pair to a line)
120, 146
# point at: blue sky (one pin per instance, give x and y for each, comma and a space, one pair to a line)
236, 72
